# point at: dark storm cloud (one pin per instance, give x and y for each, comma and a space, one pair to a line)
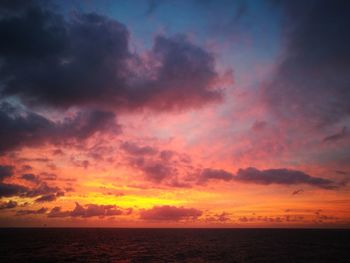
5, 171
170, 213
25, 128
281, 176
86, 60
90, 210
214, 174
312, 81
8, 205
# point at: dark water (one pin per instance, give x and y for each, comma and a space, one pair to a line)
174, 245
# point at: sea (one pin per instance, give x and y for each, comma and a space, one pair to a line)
173, 245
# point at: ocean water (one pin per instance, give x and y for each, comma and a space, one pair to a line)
173, 245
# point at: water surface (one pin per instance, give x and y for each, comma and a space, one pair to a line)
173, 245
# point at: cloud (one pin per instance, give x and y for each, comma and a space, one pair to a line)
95, 210
62, 63
26, 167
41, 189
342, 172
26, 128
166, 155
214, 174
165, 167
338, 136
297, 192
57, 212
154, 170
134, 149
49, 197
8, 190
39, 211
271, 219
312, 80
90, 210
223, 217
5, 171
8, 205
157, 172
48, 176
281, 176
85, 60
185, 79
30, 177
259, 126
15, 5
170, 213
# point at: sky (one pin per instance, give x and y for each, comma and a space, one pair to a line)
175, 113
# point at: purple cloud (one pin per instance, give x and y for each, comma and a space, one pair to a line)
8, 205
85, 60
134, 149
26, 128
281, 176
39, 211
5, 171
214, 174
338, 136
170, 213
312, 83
89, 210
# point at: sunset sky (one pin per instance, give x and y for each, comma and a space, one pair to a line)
175, 113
